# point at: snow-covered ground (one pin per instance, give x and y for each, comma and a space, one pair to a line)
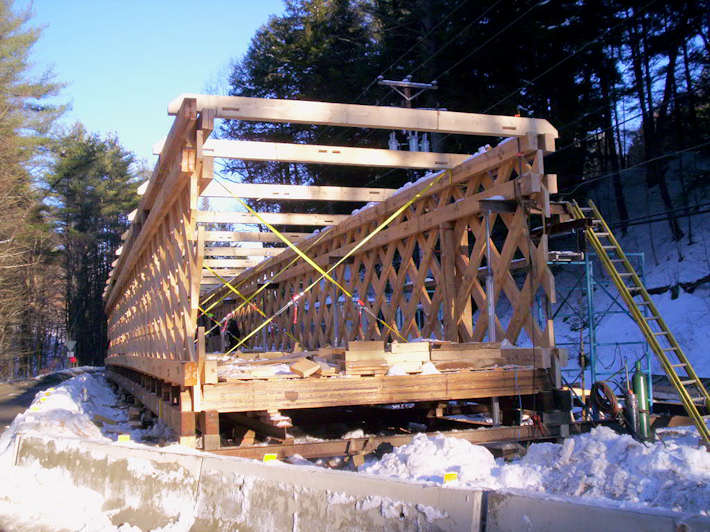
33, 498
600, 467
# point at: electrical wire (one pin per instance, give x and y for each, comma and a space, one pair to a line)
447, 17
569, 56
637, 165
465, 28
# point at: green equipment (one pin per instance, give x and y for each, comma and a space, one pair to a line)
641, 393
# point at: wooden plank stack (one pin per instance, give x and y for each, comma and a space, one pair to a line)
408, 357
366, 358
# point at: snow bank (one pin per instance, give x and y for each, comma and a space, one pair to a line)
36, 498
77, 408
600, 465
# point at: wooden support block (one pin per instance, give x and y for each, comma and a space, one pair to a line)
326, 369
331, 352
454, 365
373, 363
539, 357
209, 427
562, 356
305, 368
363, 351
376, 345
550, 183
402, 358
209, 372
101, 420
472, 351
482, 355
259, 425
410, 347
187, 425
374, 366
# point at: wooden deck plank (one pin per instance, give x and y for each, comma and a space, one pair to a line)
343, 391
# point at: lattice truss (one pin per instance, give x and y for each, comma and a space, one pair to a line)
154, 318
424, 274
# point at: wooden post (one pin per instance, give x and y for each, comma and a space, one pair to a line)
209, 427
448, 268
490, 291
495, 411
465, 317
187, 419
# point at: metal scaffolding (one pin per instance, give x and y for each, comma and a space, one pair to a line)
585, 300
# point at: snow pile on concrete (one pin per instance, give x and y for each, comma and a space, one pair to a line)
600, 465
34, 497
76, 408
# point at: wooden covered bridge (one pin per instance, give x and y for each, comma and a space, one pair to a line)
420, 297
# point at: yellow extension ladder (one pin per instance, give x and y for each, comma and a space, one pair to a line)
657, 333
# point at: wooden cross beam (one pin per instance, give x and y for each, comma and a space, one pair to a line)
366, 116
278, 218
229, 251
339, 155
250, 236
226, 189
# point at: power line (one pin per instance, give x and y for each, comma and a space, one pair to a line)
637, 165
569, 56
666, 215
478, 48
403, 55
443, 47
598, 132
372, 83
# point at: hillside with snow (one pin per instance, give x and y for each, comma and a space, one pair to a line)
676, 273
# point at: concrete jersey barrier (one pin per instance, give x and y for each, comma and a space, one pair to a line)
150, 488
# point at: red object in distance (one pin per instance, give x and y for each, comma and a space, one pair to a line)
72, 360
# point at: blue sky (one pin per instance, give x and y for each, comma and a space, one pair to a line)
123, 61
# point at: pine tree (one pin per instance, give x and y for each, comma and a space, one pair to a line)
25, 122
92, 183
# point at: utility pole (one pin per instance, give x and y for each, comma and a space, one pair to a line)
404, 89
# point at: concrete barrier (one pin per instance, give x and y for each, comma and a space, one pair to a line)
151, 488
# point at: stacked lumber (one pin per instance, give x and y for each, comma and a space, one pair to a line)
366, 358
408, 357
305, 368
372, 358
448, 356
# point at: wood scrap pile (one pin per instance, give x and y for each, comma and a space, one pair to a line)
374, 358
